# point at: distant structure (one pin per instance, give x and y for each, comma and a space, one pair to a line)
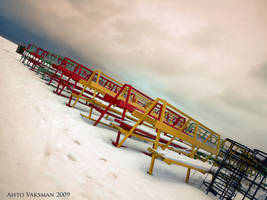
20, 49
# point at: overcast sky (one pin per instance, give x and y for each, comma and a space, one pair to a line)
208, 57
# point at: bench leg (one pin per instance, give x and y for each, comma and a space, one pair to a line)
123, 140
153, 154
187, 175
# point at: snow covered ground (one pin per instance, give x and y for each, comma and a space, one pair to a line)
46, 146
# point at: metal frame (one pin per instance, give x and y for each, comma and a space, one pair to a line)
241, 170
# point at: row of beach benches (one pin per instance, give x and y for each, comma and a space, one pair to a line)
128, 111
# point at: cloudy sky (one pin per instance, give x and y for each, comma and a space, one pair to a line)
208, 57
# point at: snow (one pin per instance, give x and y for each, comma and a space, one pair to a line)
46, 146
184, 159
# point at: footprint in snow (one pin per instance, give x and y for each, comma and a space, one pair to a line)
103, 159
113, 175
47, 151
77, 142
71, 157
